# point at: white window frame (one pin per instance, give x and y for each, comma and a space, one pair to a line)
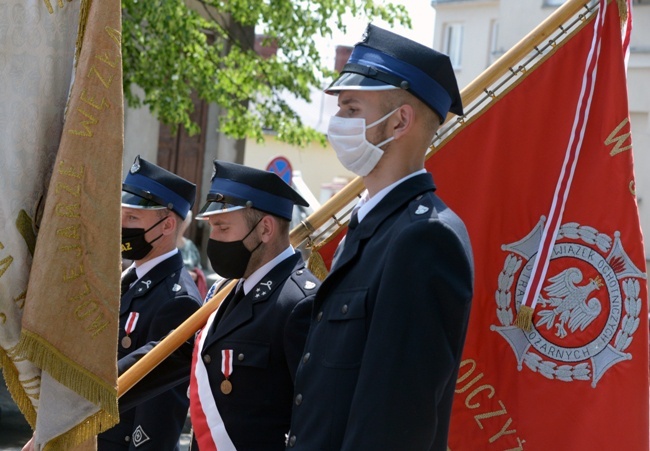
453, 43
494, 41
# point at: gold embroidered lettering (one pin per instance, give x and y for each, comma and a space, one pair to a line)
71, 232
76, 248
104, 81
103, 104
77, 173
83, 294
114, 34
5, 263
68, 210
483, 416
72, 273
72, 190
98, 325
618, 140
503, 431
476, 390
20, 300
105, 58
85, 309
86, 125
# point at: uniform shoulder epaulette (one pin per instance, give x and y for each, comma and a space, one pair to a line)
305, 280
422, 208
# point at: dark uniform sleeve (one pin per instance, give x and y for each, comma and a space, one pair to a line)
295, 333
414, 342
172, 371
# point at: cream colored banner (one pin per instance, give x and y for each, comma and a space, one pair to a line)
36, 63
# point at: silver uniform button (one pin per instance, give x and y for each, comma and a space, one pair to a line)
319, 316
344, 309
292, 440
306, 357
298, 399
127, 439
240, 357
207, 358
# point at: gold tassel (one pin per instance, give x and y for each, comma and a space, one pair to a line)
524, 319
622, 11
316, 265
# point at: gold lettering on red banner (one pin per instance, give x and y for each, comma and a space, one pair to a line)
496, 422
618, 140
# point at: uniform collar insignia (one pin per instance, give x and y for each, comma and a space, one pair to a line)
421, 210
309, 285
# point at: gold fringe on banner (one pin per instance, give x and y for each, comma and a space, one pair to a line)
10, 373
76, 378
524, 318
316, 265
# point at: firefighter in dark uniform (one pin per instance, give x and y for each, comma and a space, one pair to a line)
246, 355
382, 355
158, 294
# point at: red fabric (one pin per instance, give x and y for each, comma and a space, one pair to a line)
200, 426
542, 391
328, 249
201, 282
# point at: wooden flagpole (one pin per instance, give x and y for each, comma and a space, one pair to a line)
353, 189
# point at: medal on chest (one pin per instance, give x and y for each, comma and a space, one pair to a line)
226, 369
131, 322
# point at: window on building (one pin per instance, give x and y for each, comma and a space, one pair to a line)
453, 43
493, 50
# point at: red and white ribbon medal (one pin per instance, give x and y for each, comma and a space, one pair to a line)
130, 327
226, 369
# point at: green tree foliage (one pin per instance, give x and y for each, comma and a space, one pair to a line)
171, 50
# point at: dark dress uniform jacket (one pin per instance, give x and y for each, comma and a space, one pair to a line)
266, 331
165, 297
382, 355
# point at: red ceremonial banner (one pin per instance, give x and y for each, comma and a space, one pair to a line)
578, 377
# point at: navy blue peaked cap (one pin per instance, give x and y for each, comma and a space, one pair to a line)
149, 186
384, 60
235, 186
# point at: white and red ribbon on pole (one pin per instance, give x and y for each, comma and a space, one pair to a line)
563, 187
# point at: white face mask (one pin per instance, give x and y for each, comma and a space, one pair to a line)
348, 138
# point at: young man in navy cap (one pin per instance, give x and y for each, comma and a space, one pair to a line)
380, 362
246, 355
158, 294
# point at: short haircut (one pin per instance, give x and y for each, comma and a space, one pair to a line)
396, 97
253, 216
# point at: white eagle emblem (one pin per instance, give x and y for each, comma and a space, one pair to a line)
570, 304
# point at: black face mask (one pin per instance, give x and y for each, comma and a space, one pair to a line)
230, 259
134, 246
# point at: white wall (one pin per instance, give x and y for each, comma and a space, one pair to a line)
141, 131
